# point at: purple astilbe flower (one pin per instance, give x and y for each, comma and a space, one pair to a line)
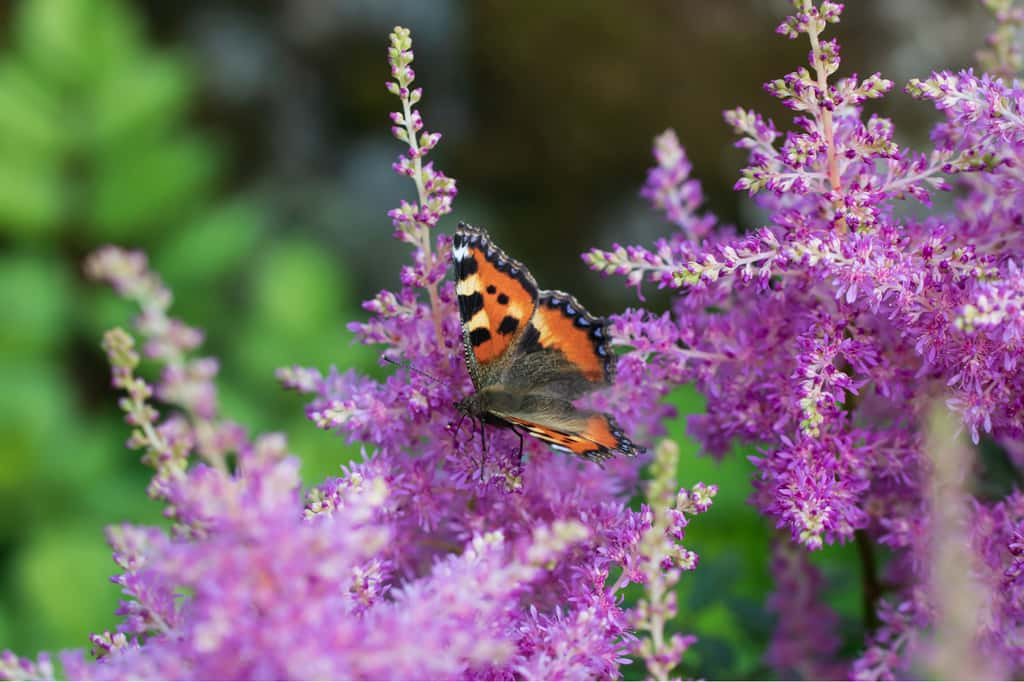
407, 420
664, 560
997, 535
259, 570
895, 642
279, 590
422, 560
670, 188
822, 335
1002, 55
16, 668
805, 641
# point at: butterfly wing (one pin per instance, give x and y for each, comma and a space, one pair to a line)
590, 435
530, 352
497, 298
563, 353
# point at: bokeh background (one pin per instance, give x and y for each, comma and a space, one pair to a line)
245, 146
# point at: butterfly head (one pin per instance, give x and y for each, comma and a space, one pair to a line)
481, 405
474, 405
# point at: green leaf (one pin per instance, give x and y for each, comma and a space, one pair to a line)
35, 407
76, 42
297, 288
156, 185
30, 117
322, 453
160, 88
219, 241
35, 402
32, 197
36, 305
63, 573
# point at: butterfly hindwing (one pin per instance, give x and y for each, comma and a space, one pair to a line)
497, 297
565, 326
591, 435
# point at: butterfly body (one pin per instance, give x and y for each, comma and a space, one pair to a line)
530, 353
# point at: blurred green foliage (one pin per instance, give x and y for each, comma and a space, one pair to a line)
96, 146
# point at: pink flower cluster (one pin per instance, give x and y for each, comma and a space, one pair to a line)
420, 562
825, 335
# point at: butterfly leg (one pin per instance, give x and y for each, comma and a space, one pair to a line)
455, 430
520, 434
483, 449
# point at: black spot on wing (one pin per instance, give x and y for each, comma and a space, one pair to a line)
508, 325
470, 305
477, 238
466, 267
529, 342
479, 335
502, 299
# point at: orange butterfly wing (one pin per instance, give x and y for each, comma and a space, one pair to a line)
598, 438
497, 296
565, 326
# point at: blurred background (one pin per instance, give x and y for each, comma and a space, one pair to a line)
245, 146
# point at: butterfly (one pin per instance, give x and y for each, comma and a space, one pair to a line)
530, 353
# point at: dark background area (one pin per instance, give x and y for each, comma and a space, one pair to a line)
245, 146
547, 108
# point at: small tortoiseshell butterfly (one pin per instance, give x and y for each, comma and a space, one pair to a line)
530, 353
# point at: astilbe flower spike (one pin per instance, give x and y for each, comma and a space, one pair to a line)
822, 335
409, 564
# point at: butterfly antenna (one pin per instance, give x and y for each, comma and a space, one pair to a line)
407, 364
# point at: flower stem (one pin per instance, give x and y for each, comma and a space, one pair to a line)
826, 114
871, 588
424, 231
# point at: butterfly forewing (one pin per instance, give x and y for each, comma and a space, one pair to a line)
497, 297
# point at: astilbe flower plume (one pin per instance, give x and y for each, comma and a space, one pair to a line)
824, 334
422, 560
